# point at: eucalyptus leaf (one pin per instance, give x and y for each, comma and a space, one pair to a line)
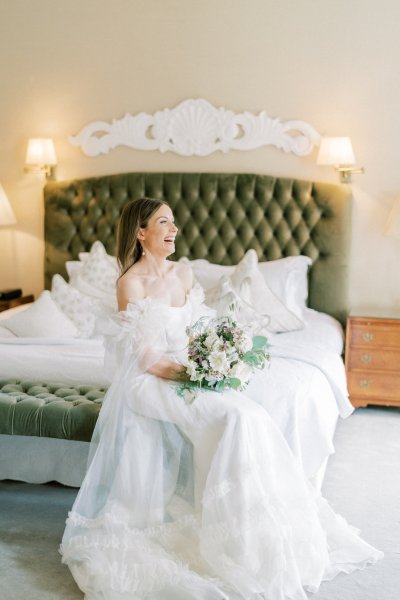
234, 382
259, 342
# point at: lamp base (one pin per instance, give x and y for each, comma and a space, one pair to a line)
49, 171
345, 173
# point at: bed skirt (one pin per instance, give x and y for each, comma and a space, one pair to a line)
40, 459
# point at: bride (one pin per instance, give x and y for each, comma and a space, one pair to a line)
200, 501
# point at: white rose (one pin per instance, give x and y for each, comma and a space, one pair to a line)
211, 341
191, 370
241, 371
219, 362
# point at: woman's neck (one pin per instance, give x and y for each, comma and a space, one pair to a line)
157, 266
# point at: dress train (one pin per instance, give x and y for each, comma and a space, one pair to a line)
198, 501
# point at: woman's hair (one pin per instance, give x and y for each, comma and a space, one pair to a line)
135, 215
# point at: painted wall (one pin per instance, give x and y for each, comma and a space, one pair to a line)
331, 63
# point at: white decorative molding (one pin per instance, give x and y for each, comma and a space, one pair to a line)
196, 127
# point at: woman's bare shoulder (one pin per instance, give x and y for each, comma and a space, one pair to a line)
129, 287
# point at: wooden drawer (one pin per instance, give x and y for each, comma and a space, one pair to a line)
376, 333
371, 385
374, 358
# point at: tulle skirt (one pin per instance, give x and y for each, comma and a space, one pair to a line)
199, 501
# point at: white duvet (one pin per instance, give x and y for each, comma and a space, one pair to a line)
306, 384
80, 361
72, 361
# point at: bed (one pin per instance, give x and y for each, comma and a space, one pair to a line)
297, 231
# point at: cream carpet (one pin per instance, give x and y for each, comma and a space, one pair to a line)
362, 483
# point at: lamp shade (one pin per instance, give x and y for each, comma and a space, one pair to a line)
335, 151
7, 216
41, 152
393, 223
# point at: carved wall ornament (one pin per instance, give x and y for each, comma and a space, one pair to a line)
196, 128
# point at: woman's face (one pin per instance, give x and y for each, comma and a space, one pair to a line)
158, 237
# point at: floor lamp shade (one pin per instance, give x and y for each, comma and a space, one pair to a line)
7, 216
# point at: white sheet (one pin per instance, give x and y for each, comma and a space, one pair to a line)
81, 360
305, 405
72, 361
320, 331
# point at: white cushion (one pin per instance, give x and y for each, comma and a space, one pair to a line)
72, 266
79, 307
42, 319
97, 275
5, 314
288, 279
207, 274
253, 298
6, 333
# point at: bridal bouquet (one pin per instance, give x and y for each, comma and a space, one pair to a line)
221, 355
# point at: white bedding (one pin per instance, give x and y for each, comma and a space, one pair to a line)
72, 361
305, 405
77, 360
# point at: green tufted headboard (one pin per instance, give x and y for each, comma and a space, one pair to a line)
220, 216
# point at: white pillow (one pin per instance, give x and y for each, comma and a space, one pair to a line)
255, 299
72, 266
10, 312
43, 319
288, 279
97, 275
226, 301
6, 333
111, 259
78, 307
205, 273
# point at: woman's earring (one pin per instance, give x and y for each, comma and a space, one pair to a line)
143, 252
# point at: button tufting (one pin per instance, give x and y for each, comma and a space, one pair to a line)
211, 211
42, 409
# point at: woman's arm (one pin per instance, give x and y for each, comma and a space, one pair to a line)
167, 369
130, 289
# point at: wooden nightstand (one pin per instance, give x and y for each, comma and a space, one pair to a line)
373, 357
6, 304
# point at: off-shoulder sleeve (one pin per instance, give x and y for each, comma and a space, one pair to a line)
134, 338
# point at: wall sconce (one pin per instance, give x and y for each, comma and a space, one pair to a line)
338, 152
7, 216
392, 227
41, 157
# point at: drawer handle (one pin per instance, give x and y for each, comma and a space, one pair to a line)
364, 383
368, 337
366, 358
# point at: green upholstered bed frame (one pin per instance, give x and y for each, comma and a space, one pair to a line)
220, 216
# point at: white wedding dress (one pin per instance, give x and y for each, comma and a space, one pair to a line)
198, 501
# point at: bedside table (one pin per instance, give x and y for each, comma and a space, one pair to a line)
372, 357
6, 304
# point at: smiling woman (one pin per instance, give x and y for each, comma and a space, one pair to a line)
235, 517
146, 237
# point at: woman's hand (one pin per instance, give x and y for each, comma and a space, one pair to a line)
169, 370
